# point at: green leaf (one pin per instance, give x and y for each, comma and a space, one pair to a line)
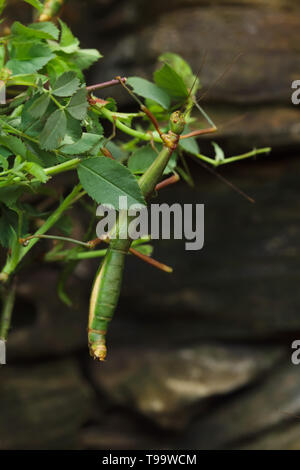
7, 232
32, 157
105, 180
54, 130
93, 125
44, 30
39, 106
172, 164
26, 79
78, 105
189, 145
10, 195
14, 144
219, 153
37, 171
111, 104
46, 158
117, 152
27, 57
4, 154
66, 85
36, 4
159, 112
56, 67
141, 159
9, 222
74, 130
84, 58
68, 43
182, 68
3, 163
33, 126
86, 143
171, 82
147, 89
18, 165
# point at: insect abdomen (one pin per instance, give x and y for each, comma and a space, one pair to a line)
105, 296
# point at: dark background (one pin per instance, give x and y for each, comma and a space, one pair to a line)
200, 358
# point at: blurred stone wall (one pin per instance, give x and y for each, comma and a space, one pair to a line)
200, 358
251, 102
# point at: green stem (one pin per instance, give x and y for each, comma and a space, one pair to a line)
9, 294
62, 167
128, 115
245, 155
67, 255
53, 170
12, 130
51, 9
211, 161
17, 256
122, 127
145, 136
57, 237
71, 255
60, 106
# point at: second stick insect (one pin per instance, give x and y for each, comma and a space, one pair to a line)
107, 284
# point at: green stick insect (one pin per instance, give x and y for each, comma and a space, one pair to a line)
107, 284
50, 129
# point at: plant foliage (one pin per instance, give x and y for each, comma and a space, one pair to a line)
51, 124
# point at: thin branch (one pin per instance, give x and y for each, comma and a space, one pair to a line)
13, 260
153, 262
100, 86
24, 241
166, 182
9, 294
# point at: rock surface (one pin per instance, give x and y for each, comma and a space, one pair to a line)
287, 437
166, 385
243, 284
42, 406
49, 326
199, 359
275, 401
257, 86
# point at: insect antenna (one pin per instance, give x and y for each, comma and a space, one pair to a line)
226, 181
193, 86
233, 121
221, 76
210, 121
204, 114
